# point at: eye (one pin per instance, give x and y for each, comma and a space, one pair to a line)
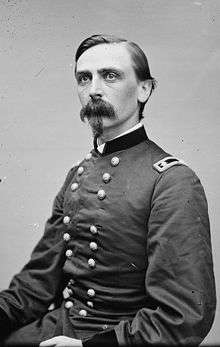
83, 79
110, 76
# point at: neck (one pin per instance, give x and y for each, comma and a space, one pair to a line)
110, 132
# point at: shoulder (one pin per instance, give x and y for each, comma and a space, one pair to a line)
178, 189
170, 170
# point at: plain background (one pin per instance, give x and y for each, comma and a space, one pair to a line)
40, 131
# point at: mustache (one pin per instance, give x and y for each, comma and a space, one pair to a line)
97, 108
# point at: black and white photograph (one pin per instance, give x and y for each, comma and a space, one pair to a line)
109, 173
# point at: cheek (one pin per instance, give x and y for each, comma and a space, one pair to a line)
83, 97
132, 91
128, 95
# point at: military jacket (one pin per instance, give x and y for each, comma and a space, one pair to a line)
126, 255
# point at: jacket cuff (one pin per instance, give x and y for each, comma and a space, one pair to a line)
107, 339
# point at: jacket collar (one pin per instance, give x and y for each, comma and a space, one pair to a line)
124, 142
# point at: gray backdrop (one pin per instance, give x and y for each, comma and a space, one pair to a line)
41, 134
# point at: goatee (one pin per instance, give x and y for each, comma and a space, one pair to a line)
95, 110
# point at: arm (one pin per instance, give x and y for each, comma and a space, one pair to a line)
36, 286
179, 278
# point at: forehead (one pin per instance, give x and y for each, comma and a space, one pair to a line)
105, 55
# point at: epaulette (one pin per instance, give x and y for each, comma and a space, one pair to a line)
166, 163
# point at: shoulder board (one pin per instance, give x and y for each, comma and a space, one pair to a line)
166, 163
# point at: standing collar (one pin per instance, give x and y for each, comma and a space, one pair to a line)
101, 147
125, 141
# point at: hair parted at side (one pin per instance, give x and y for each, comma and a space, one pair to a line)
139, 59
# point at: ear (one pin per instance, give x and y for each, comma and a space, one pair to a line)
144, 90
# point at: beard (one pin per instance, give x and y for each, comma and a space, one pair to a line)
94, 111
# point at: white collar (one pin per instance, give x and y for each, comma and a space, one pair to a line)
135, 127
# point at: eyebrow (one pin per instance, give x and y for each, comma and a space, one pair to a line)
82, 72
111, 69
101, 71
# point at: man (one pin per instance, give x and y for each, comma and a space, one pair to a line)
128, 242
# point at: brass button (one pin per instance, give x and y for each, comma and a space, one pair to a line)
115, 161
51, 307
106, 177
91, 262
90, 303
93, 229
88, 156
67, 292
105, 326
101, 194
74, 186
69, 253
83, 313
80, 170
71, 282
66, 237
68, 304
93, 246
91, 292
66, 220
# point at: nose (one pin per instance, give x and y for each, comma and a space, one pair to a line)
95, 88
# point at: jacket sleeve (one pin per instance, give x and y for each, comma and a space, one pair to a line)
33, 289
179, 278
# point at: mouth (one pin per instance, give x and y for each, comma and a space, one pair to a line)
95, 111
98, 109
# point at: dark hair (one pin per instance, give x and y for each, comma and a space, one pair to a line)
139, 59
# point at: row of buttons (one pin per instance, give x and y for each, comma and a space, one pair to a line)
106, 177
93, 245
91, 262
93, 229
101, 193
114, 161
68, 304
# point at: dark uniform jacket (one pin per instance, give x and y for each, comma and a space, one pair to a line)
128, 247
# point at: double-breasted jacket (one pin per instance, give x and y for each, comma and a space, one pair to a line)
125, 257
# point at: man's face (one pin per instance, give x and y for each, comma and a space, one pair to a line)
105, 71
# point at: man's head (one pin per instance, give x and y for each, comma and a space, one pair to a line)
114, 80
